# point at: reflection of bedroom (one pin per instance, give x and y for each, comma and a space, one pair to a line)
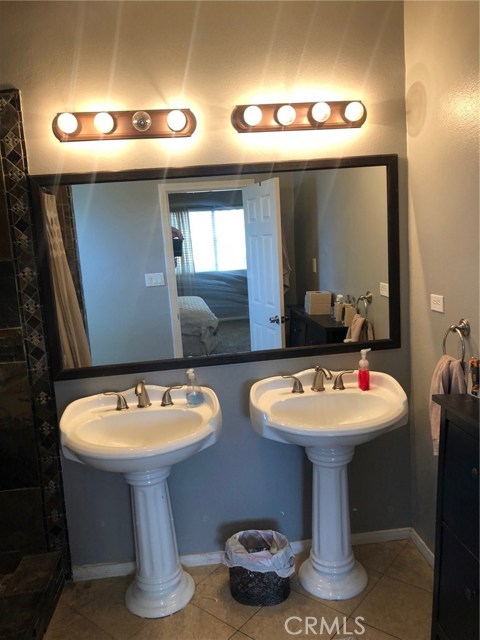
210, 269
121, 241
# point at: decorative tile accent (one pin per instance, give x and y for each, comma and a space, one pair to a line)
14, 170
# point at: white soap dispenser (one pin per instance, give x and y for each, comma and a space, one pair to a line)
194, 393
364, 371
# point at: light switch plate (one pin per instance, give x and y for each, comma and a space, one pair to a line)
154, 279
384, 291
436, 302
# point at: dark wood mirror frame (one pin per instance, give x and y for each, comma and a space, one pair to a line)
37, 182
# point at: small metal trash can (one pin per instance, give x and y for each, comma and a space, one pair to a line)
260, 565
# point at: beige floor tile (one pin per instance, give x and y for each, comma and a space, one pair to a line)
379, 555
190, 623
395, 605
213, 595
364, 632
108, 611
77, 594
272, 623
74, 627
345, 606
397, 608
410, 566
201, 572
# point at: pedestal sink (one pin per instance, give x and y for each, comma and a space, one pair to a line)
143, 444
329, 424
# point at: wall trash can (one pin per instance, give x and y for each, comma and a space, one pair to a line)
260, 565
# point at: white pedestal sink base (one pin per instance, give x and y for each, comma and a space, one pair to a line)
146, 604
336, 587
161, 587
331, 572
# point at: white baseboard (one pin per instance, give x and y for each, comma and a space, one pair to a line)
110, 570
383, 535
422, 547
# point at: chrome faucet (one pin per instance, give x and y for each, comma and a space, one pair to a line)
318, 376
297, 385
121, 402
338, 382
142, 395
167, 398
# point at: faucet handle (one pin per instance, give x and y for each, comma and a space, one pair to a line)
297, 385
121, 402
338, 382
167, 398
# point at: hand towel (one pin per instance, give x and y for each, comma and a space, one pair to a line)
355, 328
448, 377
360, 330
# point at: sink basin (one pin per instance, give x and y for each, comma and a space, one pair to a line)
328, 418
329, 424
143, 444
138, 439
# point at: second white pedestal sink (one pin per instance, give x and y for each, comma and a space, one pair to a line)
329, 424
143, 444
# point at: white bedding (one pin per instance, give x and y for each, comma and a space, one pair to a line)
199, 326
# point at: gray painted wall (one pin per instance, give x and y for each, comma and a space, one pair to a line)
331, 50
242, 481
442, 89
350, 237
120, 239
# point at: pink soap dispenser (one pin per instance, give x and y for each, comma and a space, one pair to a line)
364, 371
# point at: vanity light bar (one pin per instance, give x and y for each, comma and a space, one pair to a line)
124, 125
298, 116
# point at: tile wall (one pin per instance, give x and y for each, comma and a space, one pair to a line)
32, 513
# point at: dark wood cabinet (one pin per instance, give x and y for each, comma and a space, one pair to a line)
456, 588
306, 330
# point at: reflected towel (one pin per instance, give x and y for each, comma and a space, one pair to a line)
360, 330
448, 377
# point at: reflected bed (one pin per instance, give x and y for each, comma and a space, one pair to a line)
199, 326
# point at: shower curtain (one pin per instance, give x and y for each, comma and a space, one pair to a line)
73, 338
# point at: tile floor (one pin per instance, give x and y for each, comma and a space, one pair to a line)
395, 605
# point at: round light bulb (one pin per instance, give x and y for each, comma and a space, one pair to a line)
104, 122
141, 120
321, 111
286, 115
67, 123
176, 120
354, 111
252, 115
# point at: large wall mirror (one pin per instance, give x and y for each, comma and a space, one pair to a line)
153, 269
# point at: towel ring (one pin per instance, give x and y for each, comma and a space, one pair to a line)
462, 329
367, 299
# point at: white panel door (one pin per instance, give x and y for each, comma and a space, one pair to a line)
261, 203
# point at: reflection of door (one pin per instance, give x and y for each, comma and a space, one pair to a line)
184, 187
261, 203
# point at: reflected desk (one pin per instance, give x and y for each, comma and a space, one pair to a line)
308, 329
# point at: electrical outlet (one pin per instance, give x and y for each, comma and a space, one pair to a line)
436, 302
154, 279
384, 289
